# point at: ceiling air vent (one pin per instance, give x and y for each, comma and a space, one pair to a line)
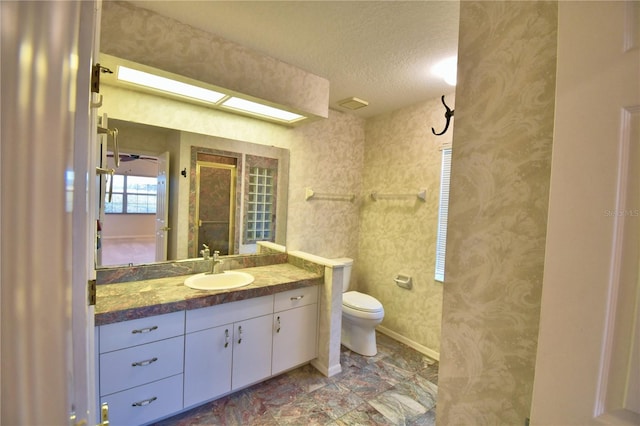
353, 103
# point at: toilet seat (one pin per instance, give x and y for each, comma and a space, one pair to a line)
361, 302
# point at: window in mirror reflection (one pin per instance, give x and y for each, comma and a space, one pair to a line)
132, 195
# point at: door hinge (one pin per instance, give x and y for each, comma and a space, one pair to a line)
104, 415
91, 292
74, 421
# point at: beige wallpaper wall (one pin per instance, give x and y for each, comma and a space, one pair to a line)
399, 236
497, 212
328, 158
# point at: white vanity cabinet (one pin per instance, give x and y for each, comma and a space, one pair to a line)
141, 368
295, 338
227, 347
154, 367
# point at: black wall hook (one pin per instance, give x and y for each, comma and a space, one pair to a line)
447, 114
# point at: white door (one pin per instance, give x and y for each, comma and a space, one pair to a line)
162, 207
84, 224
46, 64
587, 364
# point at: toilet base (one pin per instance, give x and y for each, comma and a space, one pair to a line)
361, 340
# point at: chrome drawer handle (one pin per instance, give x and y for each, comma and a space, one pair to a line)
145, 362
144, 330
145, 402
297, 297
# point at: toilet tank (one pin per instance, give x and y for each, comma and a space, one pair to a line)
346, 276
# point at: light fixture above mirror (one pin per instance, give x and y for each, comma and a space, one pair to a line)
148, 79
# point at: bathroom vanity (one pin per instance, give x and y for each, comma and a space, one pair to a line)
163, 347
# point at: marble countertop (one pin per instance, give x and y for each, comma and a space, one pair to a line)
139, 299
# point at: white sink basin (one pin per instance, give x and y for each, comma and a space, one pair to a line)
224, 281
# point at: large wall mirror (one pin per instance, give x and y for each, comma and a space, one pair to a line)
224, 193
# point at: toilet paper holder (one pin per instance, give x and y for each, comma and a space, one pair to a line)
404, 281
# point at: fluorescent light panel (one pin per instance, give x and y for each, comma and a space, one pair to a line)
168, 85
256, 108
175, 87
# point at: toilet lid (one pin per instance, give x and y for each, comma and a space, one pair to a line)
360, 301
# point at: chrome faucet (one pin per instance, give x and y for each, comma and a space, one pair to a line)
205, 252
215, 261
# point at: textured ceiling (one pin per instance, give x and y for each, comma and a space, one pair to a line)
379, 51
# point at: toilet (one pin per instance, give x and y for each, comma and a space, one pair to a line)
361, 314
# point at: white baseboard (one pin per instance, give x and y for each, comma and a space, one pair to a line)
327, 371
417, 346
146, 238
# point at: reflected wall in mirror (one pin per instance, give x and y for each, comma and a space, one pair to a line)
249, 206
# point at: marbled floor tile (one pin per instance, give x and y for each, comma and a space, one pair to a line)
397, 407
426, 419
277, 391
363, 415
307, 378
388, 369
303, 411
420, 390
365, 384
408, 362
431, 373
408, 401
240, 409
336, 400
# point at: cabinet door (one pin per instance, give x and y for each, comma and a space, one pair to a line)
207, 364
295, 338
251, 351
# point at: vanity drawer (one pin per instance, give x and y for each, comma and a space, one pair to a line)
227, 313
140, 331
295, 298
127, 368
144, 404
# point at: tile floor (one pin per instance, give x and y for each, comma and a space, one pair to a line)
124, 251
398, 386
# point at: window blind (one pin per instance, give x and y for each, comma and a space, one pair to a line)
443, 210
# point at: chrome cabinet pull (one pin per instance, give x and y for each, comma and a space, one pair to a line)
278, 327
144, 330
144, 402
297, 297
226, 338
144, 363
239, 334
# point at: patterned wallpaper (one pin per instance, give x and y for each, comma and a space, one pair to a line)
327, 157
497, 213
399, 236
